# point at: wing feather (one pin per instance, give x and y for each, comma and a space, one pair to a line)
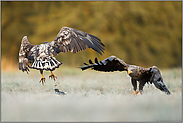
157, 79
91, 45
25, 48
96, 60
97, 41
99, 47
109, 64
90, 61
70, 39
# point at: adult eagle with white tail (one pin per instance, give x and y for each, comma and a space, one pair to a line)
140, 74
41, 57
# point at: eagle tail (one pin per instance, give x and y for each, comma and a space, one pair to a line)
48, 63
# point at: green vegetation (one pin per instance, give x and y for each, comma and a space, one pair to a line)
91, 96
141, 33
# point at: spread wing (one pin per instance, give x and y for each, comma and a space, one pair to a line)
109, 64
157, 79
70, 39
24, 53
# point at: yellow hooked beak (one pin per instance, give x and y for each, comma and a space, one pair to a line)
129, 71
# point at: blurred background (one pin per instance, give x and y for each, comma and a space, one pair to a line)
140, 33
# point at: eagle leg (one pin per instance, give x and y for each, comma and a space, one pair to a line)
52, 76
141, 85
42, 77
134, 83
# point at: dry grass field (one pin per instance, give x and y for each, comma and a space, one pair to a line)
91, 96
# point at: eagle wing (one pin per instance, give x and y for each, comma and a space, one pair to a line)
157, 79
24, 53
70, 39
109, 64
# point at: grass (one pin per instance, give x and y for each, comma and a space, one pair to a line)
91, 96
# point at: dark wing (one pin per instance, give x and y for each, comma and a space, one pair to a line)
25, 48
70, 39
109, 64
157, 79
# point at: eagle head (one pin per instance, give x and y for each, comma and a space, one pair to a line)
132, 69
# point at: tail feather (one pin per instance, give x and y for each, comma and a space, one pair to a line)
49, 63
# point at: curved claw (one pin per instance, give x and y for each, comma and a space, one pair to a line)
52, 76
138, 93
135, 93
42, 80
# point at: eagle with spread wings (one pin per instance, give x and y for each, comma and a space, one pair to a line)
140, 74
41, 57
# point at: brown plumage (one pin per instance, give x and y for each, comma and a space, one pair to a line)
41, 57
140, 74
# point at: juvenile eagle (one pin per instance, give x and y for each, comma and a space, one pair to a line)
41, 57
140, 74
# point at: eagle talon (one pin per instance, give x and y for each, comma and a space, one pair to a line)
42, 80
135, 93
52, 76
140, 92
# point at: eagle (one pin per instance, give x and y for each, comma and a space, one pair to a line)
137, 73
41, 57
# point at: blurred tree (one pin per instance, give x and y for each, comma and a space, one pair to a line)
141, 33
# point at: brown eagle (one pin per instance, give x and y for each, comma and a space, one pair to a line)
41, 57
140, 74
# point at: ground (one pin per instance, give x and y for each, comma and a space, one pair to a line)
91, 96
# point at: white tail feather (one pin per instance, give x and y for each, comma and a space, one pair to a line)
49, 63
